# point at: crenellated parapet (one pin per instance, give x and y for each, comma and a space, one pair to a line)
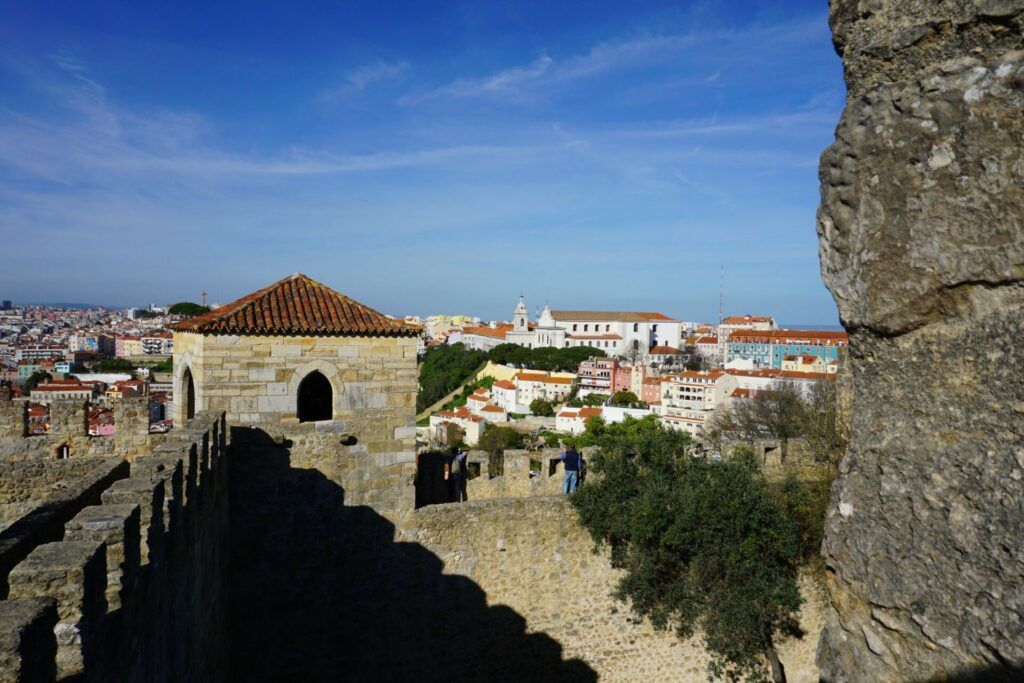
131, 587
513, 473
68, 435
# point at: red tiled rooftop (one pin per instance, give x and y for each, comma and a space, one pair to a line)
498, 332
734, 319
297, 305
695, 374
664, 350
534, 377
790, 336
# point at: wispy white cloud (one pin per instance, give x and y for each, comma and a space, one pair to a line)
508, 83
818, 116
367, 74
516, 83
364, 78
95, 137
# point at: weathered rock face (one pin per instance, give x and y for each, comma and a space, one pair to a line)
922, 244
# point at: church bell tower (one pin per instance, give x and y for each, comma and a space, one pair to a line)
519, 318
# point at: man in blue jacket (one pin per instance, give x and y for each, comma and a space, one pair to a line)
573, 463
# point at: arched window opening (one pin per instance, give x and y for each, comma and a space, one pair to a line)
190, 393
315, 400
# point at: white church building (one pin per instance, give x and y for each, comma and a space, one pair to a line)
617, 333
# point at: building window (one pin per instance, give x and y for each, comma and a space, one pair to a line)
574, 326
636, 327
586, 328
315, 399
190, 393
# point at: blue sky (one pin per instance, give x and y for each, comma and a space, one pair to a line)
420, 157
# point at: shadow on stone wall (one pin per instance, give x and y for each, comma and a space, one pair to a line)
323, 592
989, 674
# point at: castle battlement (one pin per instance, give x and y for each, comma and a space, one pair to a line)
68, 435
113, 570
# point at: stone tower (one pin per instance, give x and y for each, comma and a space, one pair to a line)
299, 352
521, 316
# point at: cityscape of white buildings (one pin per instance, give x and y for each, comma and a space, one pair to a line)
680, 371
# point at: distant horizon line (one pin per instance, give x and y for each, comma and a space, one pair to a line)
82, 306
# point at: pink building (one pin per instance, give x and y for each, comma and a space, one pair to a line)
597, 375
101, 422
651, 390
622, 378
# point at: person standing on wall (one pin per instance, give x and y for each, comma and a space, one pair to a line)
460, 473
572, 462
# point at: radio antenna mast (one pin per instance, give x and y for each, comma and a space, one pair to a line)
721, 293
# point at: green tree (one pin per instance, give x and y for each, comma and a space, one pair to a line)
547, 358
166, 365
823, 425
496, 439
443, 369
804, 502
779, 412
542, 408
704, 544
188, 309
696, 361
36, 378
625, 399
122, 365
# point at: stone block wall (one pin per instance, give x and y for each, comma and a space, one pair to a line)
532, 556
516, 479
37, 498
70, 427
369, 446
132, 588
13, 417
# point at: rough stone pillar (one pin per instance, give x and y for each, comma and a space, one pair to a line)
69, 418
922, 245
28, 648
117, 527
13, 417
131, 425
75, 574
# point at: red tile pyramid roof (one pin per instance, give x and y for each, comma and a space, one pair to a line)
664, 351
297, 305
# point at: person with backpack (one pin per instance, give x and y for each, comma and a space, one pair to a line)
459, 474
573, 464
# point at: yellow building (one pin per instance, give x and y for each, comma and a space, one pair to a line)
808, 363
